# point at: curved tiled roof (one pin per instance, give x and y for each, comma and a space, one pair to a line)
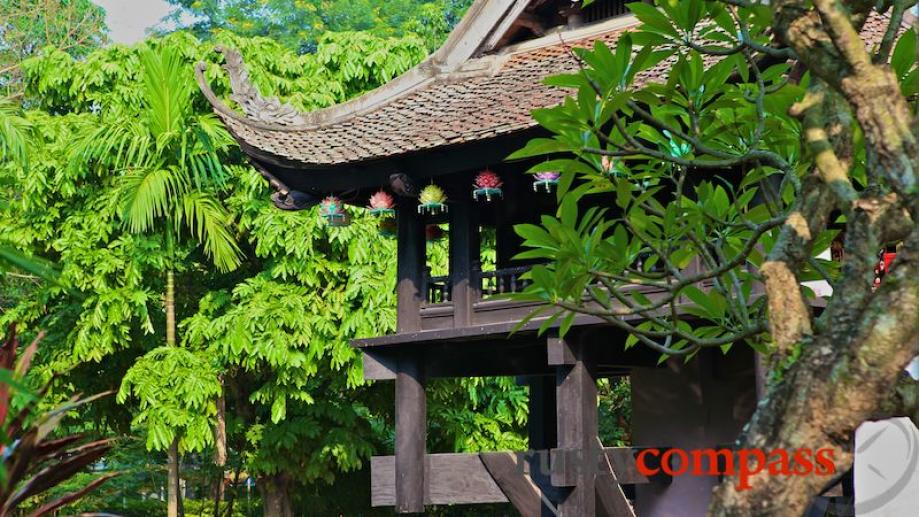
483, 98
428, 107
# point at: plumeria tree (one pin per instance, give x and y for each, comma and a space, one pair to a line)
725, 145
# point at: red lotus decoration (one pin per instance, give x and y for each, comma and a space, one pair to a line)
487, 185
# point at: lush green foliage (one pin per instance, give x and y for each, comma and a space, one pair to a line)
701, 167
300, 25
101, 183
28, 26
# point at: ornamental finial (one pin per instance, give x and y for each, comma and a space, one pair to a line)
258, 108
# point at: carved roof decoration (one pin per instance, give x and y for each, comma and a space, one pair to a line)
457, 95
257, 108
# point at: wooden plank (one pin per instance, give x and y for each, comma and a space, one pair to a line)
519, 489
467, 479
576, 396
452, 479
500, 34
411, 435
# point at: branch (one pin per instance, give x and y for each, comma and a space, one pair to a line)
833, 172
893, 28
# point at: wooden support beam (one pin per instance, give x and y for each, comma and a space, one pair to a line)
379, 366
558, 352
472, 479
410, 266
411, 435
610, 498
464, 251
451, 479
576, 395
541, 431
541, 426
517, 487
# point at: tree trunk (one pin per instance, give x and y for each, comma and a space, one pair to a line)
276, 496
220, 452
170, 308
173, 508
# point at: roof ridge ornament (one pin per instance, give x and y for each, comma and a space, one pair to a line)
256, 107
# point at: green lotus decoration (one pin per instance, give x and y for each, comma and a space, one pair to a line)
432, 200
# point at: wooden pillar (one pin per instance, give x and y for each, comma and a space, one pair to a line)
541, 431
464, 252
507, 243
574, 463
541, 426
701, 404
410, 267
411, 434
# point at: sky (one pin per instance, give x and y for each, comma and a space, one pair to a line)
128, 20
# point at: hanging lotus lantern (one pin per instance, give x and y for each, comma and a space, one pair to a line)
382, 204
387, 227
546, 180
432, 200
333, 211
487, 185
433, 233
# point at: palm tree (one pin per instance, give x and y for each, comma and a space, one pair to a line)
168, 158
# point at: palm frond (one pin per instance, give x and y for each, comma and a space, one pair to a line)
150, 194
167, 92
209, 222
11, 258
122, 143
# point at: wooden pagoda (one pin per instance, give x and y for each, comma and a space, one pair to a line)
464, 109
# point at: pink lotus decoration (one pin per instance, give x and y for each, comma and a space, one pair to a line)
487, 185
488, 179
382, 203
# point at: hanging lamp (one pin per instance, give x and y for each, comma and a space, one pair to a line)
432, 200
487, 186
382, 204
546, 180
333, 211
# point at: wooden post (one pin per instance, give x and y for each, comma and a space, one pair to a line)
411, 434
410, 267
541, 426
507, 243
464, 250
541, 430
576, 392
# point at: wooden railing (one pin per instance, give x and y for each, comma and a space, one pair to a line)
437, 290
501, 281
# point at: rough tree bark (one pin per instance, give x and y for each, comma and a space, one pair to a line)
276, 495
220, 452
174, 502
852, 357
